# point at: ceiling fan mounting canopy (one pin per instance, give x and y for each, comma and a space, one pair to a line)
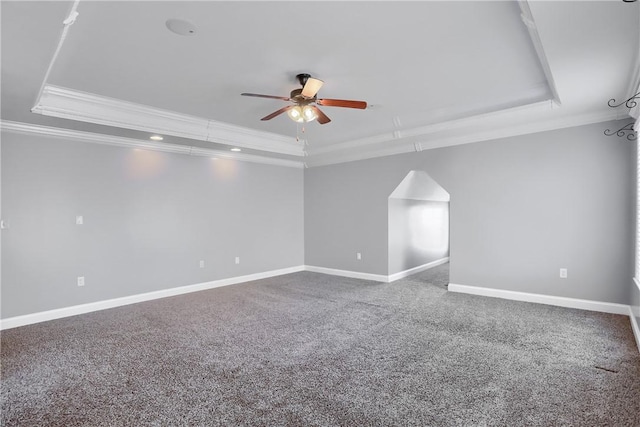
302, 99
302, 78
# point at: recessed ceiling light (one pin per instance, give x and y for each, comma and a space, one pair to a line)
236, 149
181, 27
156, 138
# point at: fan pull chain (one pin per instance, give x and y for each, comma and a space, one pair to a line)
298, 131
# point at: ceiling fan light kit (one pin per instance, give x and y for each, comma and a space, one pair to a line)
302, 114
303, 99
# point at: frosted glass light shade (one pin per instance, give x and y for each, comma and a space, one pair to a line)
311, 87
295, 114
308, 113
302, 114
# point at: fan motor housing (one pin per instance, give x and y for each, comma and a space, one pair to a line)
296, 96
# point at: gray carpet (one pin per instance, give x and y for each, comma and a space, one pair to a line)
308, 349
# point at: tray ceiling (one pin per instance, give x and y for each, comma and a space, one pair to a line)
424, 68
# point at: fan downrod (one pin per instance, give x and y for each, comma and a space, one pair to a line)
302, 78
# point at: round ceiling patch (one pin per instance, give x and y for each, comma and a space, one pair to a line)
181, 27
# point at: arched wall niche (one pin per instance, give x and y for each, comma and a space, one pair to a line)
418, 224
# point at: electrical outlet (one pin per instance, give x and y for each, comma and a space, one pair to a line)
79, 220
358, 256
80, 280
237, 260
202, 264
563, 273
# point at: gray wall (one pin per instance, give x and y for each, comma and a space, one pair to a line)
149, 218
418, 233
521, 208
345, 213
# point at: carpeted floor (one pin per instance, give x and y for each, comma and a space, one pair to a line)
308, 349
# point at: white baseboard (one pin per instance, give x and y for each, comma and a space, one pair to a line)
418, 269
347, 273
28, 319
375, 277
604, 307
634, 326
633, 316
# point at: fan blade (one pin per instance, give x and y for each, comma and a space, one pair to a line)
342, 103
277, 113
284, 98
322, 117
311, 87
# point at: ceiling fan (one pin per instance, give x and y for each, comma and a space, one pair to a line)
303, 99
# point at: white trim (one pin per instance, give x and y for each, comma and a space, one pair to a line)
582, 304
634, 327
634, 316
375, 277
634, 86
530, 23
97, 138
75, 105
453, 133
71, 19
71, 104
43, 316
418, 269
449, 125
347, 273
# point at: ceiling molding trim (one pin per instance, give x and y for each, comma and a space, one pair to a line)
502, 116
530, 23
634, 84
410, 145
96, 138
71, 19
634, 87
524, 129
81, 106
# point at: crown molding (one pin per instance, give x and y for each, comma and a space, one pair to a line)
530, 23
76, 105
71, 104
96, 138
456, 132
501, 116
439, 135
634, 83
634, 88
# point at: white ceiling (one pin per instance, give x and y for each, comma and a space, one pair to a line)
433, 73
